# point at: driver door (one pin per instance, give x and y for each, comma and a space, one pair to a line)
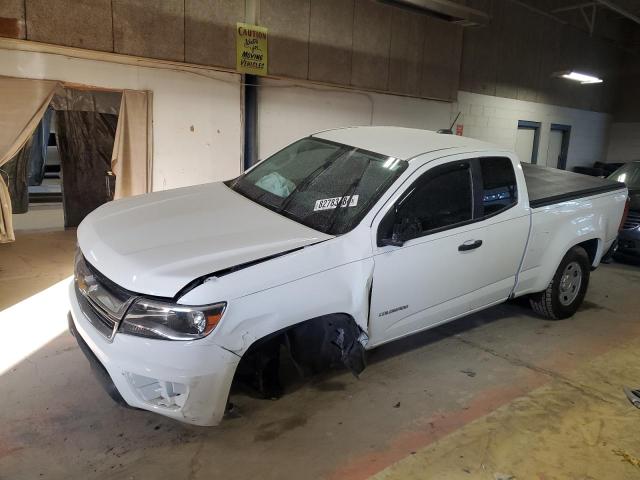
425, 278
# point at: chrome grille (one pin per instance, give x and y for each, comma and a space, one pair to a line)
103, 302
106, 326
632, 221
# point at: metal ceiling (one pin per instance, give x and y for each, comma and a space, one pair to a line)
452, 11
617, 21
614, 20
589, 11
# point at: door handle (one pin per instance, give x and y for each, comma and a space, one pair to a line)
469, 245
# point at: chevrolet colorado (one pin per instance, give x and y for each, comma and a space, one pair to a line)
340, 242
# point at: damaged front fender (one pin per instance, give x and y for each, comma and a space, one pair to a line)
316, 345
328, 342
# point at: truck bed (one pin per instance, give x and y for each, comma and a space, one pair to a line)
547, 186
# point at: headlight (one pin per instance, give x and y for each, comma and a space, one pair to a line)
168, 321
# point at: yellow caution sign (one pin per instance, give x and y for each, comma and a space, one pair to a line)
251, 49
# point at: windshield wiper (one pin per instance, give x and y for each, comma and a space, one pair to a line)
310, 178
351, 190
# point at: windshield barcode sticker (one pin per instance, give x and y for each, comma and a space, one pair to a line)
331, 203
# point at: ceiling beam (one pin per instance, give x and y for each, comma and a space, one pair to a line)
538, 11
574, 7
618, 9
457, 13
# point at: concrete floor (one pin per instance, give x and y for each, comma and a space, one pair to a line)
497, 395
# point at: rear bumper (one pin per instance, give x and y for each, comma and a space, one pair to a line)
187, 381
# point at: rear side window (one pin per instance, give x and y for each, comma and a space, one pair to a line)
500, 190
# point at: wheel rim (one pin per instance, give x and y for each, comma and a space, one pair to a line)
570, 283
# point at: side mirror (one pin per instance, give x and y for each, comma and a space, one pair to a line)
396, 239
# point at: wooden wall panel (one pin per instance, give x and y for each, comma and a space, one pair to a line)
407, 45
12, 19
71, 23
149, 28
509, 47
210, 31
627, 102
288, 23
441, 60
331, 41
371, 43
479, 59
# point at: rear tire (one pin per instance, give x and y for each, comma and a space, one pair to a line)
567, 289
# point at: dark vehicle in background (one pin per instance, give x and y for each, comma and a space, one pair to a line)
629, 237
599, 169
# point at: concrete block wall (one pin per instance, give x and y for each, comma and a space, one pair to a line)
495, 120
487, 118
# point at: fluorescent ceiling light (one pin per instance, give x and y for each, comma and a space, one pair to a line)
583, 78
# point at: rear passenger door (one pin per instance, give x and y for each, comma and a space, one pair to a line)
463, 236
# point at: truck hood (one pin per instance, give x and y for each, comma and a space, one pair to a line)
156, 244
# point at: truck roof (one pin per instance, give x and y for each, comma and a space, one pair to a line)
400, 142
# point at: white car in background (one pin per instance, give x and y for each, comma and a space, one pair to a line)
340, 242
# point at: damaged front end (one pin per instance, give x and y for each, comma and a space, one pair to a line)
314, 346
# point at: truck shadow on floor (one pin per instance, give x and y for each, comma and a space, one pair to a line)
456, 327
292, 379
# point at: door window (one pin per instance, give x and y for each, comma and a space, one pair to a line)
440, 199
500, 190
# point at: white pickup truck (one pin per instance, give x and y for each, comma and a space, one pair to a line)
338, 243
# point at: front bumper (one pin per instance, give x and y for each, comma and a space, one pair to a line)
188, 381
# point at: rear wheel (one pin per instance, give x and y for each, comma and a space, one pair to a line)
567, 289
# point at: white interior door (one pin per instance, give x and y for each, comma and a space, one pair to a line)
555, 148
525, 139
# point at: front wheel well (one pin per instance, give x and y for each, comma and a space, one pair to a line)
313, 345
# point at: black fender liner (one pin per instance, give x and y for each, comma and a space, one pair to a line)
327, 342
315, 345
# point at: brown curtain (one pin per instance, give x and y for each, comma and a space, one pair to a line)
85, 142
86, 121
24, 102
131, 158
16, 175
